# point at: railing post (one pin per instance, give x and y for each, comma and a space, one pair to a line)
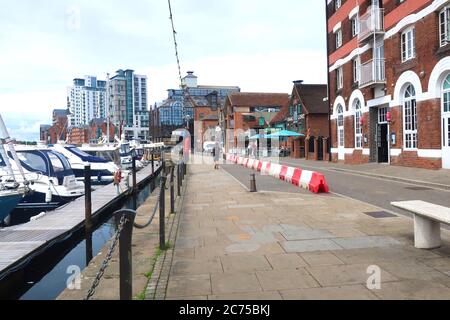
134, 175
178, 181
87, 198
125, 253
172, 190
162, 212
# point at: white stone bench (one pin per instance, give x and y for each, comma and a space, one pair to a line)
427, 222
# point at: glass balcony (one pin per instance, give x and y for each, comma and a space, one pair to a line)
372, 22
372, 73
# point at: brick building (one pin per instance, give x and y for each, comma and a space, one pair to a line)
248, 112
51, 134
308, 115
389, 81
95, 132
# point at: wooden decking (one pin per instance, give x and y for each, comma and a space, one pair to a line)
20, 242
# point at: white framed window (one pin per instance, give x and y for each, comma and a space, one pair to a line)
339, 78
358, 127
340, 125
337, 4
444, 26
356, 70
338, 36
355, 26
382, 115
408, 44
410, 118
446, 95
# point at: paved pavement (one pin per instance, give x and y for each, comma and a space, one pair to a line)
232, 244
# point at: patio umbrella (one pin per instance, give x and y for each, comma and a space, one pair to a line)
284, 133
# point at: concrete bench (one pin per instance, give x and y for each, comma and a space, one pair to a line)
427, 222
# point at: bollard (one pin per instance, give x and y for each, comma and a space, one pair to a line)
126, 254
162, 213
133, 169
253, 183
172, 191
87, 198
89, 250
178, 181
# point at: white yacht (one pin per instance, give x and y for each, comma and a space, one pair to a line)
102, 170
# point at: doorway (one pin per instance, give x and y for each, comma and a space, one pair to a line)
382, 143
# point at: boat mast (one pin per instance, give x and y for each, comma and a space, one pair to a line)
108, 93
9, 141
4, 155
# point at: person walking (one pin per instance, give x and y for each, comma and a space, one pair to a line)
216, 154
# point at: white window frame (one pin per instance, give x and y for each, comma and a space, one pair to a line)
358, 128
339, 78
444, 26
356, 65
355, 25
340, 125
408, 44
410, 120
338, 35
337, 4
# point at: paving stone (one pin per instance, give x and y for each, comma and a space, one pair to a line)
256, 296
286, 261
286, 279
196, 267
321, 258
306, 234
244, 263
310, 245
345, 275
365, 242
188, 286
413, 290
353, 292
234, 283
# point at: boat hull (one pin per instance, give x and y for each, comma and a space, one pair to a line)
7, 204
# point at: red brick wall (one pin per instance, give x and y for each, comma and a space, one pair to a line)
318, 124
411, 159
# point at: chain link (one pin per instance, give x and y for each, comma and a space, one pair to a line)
107, 260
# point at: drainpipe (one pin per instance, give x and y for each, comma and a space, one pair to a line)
328, 84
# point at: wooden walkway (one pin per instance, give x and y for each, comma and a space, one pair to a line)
20, 242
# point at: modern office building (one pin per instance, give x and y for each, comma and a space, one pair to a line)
389, 81
86, 100
128, 104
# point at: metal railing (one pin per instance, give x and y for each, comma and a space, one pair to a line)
125, 220
372, 72
371, 22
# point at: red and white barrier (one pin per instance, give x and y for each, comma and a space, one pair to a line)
310, 180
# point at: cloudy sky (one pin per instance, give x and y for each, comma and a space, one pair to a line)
259, 45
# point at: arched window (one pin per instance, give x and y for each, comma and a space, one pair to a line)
358, 127
340, 125
446, 94
410, 117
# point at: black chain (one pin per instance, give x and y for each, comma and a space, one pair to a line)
107, 260
162, 186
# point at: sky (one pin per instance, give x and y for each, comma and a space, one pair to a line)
258, 45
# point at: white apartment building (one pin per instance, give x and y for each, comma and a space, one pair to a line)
86, 100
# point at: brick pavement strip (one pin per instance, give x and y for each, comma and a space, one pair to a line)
232, 244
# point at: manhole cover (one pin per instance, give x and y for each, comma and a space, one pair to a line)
380, 215
419, 188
